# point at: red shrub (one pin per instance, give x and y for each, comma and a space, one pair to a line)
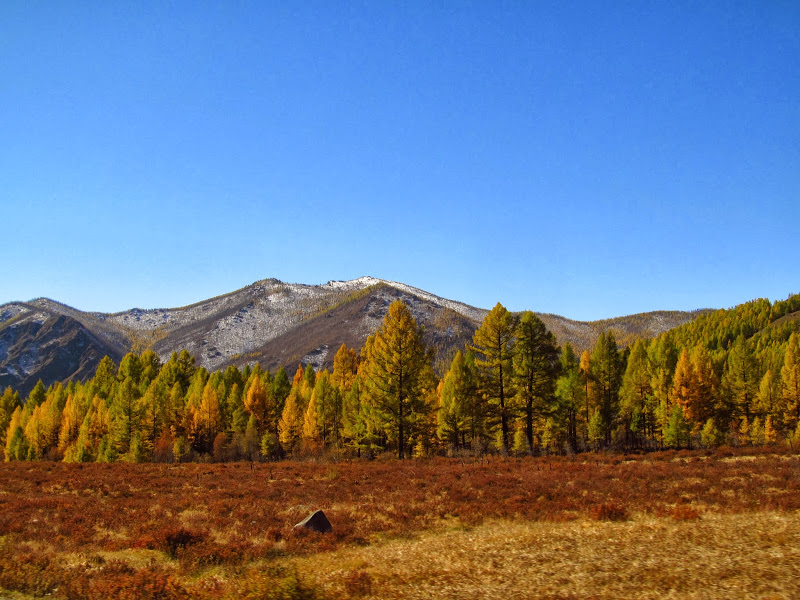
177, 538
684, 512
609, 512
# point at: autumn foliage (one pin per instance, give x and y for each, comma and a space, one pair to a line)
727, 378
99, 530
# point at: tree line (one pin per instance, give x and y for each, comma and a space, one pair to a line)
728, 377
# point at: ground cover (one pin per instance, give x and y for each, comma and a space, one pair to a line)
673, 524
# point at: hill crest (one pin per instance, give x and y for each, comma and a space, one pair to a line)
274, 323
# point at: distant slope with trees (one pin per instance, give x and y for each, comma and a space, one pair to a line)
728, 377
269, 322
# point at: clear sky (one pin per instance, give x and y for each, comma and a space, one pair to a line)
591, 159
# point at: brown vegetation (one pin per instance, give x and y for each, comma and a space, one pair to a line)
225, 530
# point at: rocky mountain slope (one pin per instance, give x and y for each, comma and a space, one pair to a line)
270, 322
37, 343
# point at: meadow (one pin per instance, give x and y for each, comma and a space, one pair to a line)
676, 524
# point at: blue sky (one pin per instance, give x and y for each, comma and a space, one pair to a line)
590, 159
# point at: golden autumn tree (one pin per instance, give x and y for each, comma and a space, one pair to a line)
694, 386
259, 402
707, 384
683, 383
345, 368
207, 418
290, 426
312, 434
9, 402
71, 418
790, 383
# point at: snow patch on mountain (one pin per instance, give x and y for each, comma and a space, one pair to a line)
471, 312
9, 311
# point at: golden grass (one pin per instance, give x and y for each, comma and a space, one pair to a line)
730, 556
697, 527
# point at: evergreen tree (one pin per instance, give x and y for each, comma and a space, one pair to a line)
150, 367
394, 374
677, 432
125, 416
741, 379
607, 370
585, 372
37, 395
130, 367
493, 344
636, 394
105, 377
155, 417
454, 403
184, 369
309, 380
236, 407
711, 437
536, 367
570, 395
174, 409
281, 386
356, 423
328, 402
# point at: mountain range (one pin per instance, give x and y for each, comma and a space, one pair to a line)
269, 322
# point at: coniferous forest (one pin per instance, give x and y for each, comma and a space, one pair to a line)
730, 377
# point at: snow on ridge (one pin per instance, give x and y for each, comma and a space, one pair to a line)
11, 310
471, 312
353, 284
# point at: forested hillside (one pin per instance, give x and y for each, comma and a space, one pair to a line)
728, 377
268, 322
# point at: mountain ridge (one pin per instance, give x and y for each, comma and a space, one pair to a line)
271, 322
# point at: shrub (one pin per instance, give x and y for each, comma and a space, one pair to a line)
358, 583
174, 539
684, 512
610, 511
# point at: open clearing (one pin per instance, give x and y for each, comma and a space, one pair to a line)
754, 555
665, 525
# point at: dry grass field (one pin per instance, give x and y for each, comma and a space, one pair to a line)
753, 555
665, 525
